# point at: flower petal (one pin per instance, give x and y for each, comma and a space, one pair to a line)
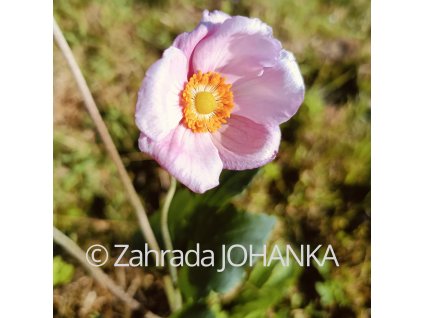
239, 47
158, 110
244, 144
187, 41
273, 97
190, 157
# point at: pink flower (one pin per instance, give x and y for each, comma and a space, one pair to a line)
216, 98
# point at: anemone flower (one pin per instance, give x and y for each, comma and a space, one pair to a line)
216, 98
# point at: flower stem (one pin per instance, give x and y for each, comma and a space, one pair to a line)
168, 243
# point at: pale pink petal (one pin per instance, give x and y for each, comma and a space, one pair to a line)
239, 47
244, 144
273, 97
187, 41
190, 157
158, 110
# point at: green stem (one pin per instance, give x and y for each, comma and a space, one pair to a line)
177, 301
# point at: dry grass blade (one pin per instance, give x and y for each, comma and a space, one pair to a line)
106, 138
72, 248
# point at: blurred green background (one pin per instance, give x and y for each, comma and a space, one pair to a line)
318, 187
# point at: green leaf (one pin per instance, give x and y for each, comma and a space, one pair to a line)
213, 229
212, 222
62, 271
185, 203
231, 184
265, 287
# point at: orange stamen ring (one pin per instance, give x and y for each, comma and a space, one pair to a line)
207, 102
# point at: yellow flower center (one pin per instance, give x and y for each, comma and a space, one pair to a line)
207, 102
